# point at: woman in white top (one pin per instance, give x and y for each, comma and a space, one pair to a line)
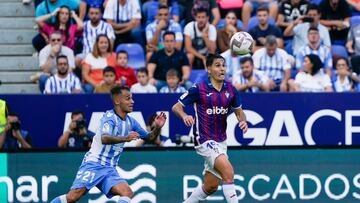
312, 78
344, 79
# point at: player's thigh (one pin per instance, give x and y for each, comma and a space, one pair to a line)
211, 182
75, 194
224, 167
122, 189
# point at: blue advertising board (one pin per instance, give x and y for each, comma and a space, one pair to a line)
275, 119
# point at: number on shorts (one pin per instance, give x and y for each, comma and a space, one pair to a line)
213, 146
85, 175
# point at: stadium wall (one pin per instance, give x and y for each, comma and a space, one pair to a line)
274, 118
271, 175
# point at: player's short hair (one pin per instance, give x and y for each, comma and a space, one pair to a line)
109, 69
246, 59
143, 70
212, 57
117, 89
163, 6
169, 33
77, 112
172, 73
262, 8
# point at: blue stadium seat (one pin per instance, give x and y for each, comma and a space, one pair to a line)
136, 54
221, 24
355, 20
317, 2
197, 75
339, 50
253, 22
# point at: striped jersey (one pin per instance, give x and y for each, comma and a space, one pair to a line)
166, 89
211, 109
56, 85
322, 51
90, 33
112, 125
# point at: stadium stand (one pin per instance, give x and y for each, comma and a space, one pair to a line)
136, 54
16, 61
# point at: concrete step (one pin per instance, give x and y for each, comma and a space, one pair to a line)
19, 89
19, 63
16, 9
16, 36
16, 50
16, 77
17, 23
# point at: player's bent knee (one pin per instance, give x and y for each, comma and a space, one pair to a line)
211, 188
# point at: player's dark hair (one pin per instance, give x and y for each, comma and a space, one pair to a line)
62, 57
169, 33
77, 112
200, 7
316, 62
246, 59
117, 89
262, 8
13, 114
143, 70
122, 52
109, 69
163, 6
211, 58
313, 28
172, 72
313, 7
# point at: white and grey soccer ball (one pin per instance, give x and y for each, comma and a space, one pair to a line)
241, 43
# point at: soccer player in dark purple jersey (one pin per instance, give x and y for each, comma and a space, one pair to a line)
212, 99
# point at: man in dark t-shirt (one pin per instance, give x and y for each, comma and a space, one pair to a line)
264, 29
290, 10
335, 15
166, 59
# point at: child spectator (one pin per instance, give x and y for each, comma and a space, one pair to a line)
125, 75
143, 85
172, 80
109, 75
344, 79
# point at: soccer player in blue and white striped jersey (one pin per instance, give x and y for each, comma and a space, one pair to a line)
98, 167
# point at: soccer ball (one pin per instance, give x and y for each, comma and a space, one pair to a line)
241, 43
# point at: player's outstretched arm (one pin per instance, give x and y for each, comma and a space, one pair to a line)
178, 109
107, 139
240, 115
159, 123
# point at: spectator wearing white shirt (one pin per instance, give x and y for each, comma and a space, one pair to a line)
124, 16
315, 47
312, 78
143, 85
275, 63
200, 38
64, 81
248, 79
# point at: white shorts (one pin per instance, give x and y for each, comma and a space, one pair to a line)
210, 150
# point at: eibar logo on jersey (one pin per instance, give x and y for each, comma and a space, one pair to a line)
217, 110
227, 94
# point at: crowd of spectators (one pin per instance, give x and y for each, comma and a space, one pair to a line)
78, 44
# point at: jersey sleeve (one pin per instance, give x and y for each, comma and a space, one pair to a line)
137, 128
190, 96
107, 125
237, 100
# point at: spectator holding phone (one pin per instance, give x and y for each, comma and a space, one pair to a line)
299, 29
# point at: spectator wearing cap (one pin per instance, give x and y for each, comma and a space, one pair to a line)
156, 30
275, 63
124, 16
264, 29
200, 38
315, 47
167, 58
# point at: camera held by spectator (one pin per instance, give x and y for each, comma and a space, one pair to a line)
77, 135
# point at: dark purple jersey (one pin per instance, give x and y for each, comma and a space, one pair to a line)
211, 109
